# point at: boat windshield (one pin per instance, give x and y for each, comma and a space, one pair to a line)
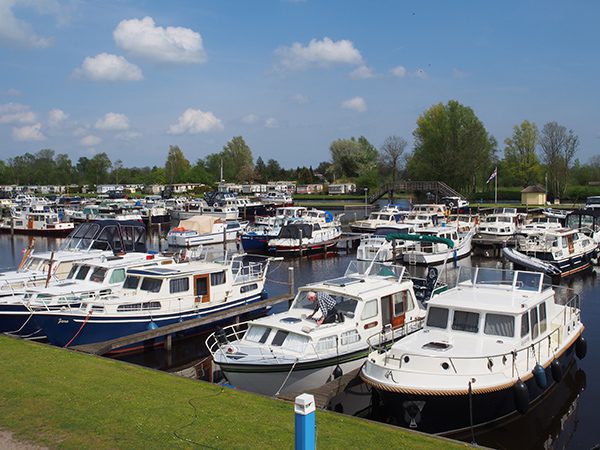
513, 279
342, 303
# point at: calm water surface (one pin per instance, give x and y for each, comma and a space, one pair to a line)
565, 419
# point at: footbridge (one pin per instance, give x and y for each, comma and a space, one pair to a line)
438, 188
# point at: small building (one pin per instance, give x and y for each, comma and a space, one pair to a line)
533, 195
342, 188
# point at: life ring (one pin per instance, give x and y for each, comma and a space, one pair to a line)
215, 205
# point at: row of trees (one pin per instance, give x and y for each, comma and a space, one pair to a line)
451, 144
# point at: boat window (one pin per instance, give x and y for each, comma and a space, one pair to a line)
565, 244
98, 275
292, 341
72, 272
82, 273
437, 317
326, 343
279, 338
217, 278
248, 288
179, 285
146, 306
524, 324
117, 276
465, 321
370, 310
257, 333
499, 325
527, 281
349, 337
399, 303
533, 316
151, 284
542, 309
62, 269
131, 282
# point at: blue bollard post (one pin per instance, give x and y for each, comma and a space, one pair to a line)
455, 257
304, 409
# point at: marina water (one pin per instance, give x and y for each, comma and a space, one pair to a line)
565, 418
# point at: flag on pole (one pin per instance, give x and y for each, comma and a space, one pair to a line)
493, 175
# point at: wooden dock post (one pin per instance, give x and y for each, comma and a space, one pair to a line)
291, 280
12, 226
169, 349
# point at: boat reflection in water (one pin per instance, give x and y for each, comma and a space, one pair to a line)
550, 423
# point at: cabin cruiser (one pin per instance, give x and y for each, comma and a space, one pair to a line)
456, 204
89, 240
491, 345
557, 252
300, 237
153, 297
276, 198
40, 223
503, 223
285, 213
539, 225
289, 352
88, 279
388, 215
376, 247
434, 245
201, 230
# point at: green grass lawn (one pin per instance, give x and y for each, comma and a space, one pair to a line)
65, 399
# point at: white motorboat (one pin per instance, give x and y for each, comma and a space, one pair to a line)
435, 245
204, 229
503, 223
90, 279
284, 214
539, 225
153, 297
387, 216
40, 223
376, 247
300, 237
287, 352
567, 251
276, 198
491, 345
89, 240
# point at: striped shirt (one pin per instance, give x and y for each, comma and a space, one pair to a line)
325, 303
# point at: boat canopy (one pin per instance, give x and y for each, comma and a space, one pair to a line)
200, 224
420, 237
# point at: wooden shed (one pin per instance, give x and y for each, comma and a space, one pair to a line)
533, 195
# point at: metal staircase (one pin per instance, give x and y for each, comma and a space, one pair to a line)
439, 188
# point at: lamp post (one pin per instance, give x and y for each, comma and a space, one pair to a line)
366, 190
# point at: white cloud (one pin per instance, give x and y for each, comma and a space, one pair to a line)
56, 117
420, 73
113, 121
322, 53
12, 92
90, 140
271, 122
459, 74
16, 113
300, 99
28, 133
250, 119
399, 71
362, 73
128, 135
144, 39
80, 131
17, 33
356, 104
194, 121
107, 67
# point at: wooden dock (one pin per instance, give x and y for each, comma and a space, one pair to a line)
325, 393
100, 348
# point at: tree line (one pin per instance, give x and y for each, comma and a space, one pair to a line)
451, 144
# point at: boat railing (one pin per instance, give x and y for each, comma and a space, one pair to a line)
66, 301
382, 340
520, 361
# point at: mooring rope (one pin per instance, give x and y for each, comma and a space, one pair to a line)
286, 378
80, 328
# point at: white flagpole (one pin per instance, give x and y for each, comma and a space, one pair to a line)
496, 186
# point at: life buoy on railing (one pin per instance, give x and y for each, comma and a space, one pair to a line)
328, 217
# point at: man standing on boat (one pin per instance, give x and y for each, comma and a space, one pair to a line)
324, 303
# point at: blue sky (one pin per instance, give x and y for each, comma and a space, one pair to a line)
130, 78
